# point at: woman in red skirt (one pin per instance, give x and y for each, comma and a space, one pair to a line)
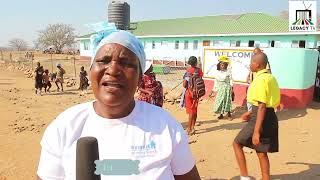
150, 90
191, 104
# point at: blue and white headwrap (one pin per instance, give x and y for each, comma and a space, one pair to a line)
107, 33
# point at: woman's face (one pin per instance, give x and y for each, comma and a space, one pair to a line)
115, 75
223, 66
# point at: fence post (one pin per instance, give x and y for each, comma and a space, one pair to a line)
74, 66
1, 56
51, 63
32, 64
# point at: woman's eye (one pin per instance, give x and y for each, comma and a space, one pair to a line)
105, 60
127, 63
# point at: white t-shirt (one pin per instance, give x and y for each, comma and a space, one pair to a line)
148, 134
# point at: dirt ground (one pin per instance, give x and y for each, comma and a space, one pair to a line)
24, 117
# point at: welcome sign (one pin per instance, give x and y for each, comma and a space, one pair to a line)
240, 62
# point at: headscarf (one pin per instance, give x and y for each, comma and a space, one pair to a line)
107, 33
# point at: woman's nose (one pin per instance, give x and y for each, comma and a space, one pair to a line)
113, 68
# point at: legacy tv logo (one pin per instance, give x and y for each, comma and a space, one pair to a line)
302, 15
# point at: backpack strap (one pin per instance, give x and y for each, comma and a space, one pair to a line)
196, 71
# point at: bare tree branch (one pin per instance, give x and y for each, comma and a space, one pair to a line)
18, 44
57, 35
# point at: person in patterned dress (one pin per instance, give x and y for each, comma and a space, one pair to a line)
223, 88
150, 90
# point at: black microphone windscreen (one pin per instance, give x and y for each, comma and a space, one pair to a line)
87, 153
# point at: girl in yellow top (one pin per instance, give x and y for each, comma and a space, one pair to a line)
261, 132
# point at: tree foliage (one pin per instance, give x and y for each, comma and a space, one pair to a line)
57, 36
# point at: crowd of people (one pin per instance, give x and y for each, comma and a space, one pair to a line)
140, 129
29, 55
43, 78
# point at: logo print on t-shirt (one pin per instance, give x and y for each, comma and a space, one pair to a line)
146, 150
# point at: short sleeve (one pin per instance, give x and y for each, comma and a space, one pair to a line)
200, 72
260, 92
186, 76
50, 166
182, 160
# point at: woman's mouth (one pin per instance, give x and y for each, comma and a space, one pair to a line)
112, 86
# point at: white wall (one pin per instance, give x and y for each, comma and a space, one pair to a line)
84, 52
168, 52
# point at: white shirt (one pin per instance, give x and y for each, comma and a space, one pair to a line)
148, 134
222, 77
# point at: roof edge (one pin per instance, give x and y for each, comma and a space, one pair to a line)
223, 35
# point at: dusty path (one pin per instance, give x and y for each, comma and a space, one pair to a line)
24, 116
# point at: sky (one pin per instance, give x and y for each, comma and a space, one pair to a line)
24, 18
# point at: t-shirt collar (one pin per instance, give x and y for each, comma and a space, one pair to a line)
261, 72
118, 121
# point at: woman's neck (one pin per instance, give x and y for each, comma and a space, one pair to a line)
113, 112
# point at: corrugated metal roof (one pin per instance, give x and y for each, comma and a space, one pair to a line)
222, 24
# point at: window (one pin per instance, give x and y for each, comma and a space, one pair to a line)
164, 43
257, 44
302, 44
186, 44
195, 44
271, 43
176, 45
298, 44
153, 45
238, 43
295, 44
277, 44
86, 45
206, 43
234, 43
251, 43
218, 43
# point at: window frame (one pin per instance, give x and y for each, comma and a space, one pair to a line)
186, 45
176, 44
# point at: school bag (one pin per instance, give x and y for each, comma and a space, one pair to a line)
196, 85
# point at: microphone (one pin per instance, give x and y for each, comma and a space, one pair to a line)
87, 152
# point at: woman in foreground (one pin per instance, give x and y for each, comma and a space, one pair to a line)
124, 128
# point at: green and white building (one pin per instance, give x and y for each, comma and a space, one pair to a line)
291, 54
177, 39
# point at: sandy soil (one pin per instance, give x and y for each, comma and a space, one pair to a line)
24, 117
